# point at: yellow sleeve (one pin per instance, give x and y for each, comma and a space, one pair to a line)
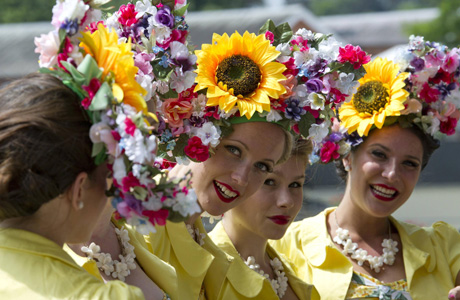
448, 239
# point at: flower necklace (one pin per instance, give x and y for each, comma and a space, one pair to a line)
117, 269
360, 255
280, 283
195, 233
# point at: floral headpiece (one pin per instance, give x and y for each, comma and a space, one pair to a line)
419, 87
101, 68
294, 80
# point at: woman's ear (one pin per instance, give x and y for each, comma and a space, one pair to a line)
76, 191
346, 161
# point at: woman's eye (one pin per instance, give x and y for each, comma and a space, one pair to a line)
295, 185
378, 154
411, 164
269, 182
263, 167
234, 150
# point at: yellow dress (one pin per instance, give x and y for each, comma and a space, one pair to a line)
34, 267
159, 271
201, 270
243, 283
431, 257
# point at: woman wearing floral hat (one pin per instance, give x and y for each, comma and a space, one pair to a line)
258, 270
358, 250
235, 132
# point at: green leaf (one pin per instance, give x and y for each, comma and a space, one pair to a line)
305, 123
160, 72
100, 158
283, 34
78, 77
62, 35
140, 193
97, 148
268, 26
169, 3
89, 68
181, 11
102, 98
169, 94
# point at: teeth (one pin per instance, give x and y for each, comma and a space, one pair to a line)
225, 191
383, 191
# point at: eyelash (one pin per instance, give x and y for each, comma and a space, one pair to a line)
382, 155
298, 185
233, 149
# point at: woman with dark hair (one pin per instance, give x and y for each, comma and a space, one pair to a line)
358, 250
51, 193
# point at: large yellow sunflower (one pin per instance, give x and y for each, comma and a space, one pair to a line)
116, 60
381, 94
240, 70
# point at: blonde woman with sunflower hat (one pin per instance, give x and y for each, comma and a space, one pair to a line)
358, 250
230, 131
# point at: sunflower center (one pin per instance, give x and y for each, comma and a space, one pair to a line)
370, 97
239, 73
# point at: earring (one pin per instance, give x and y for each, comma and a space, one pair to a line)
347, 168
81, 205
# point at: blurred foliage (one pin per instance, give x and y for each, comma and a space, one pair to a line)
14, 11
444, 29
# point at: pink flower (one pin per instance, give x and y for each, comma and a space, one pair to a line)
196, 150
412, 106
175, 111
328, 151
129, 182
448, 127
299, 41
101, 132
289, 84
176, 36
93, 26
353, 55
270, 36
48, 47
86, 102
429, 94
142, 61
291, 68
450, 62
127, 15
130, 126
92, 88
157, 217
338, 96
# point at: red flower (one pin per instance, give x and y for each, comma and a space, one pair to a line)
129, 182
176, 35
93, 26
338, 96
92, 88
130, 126
127, 15
353, 55
328, 151
157, 217
448, 127
86, 103
188, 94
291, 68
429, 94
116, 135
196, 150
299, 41
443, 76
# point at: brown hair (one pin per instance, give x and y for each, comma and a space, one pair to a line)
302, 148
44, 143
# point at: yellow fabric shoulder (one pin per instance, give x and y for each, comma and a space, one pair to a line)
201, 270
244, 283
431, 257
33, 267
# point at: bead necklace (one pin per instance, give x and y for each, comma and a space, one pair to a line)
195, 233
280, 283
360, 255
115, 268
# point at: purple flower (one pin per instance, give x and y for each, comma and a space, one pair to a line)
165, 17
142, 61
70, 26
318, 68
314, 85
418, 64
196, 121
133, 203
293, 110
335, 137
445, 89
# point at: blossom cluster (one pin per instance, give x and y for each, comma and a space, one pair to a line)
433, 84
101, 68
320, 75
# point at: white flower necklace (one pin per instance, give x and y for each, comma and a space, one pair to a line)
280, 283
117, 269
195, 233
360, 255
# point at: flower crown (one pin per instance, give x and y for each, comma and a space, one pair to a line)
294, 80
101, 67
420, 87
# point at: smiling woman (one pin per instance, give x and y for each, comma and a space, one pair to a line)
358, 250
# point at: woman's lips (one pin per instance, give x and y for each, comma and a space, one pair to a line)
384, 192
280, 220
225, 192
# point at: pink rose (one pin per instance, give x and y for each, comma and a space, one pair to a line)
196, 150
48, 47
175, 111
328, 151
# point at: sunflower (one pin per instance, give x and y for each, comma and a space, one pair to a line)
117, 63
240, 70
381, 94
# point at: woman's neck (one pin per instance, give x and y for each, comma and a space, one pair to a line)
247, 243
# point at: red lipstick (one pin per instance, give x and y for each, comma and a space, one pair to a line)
280, 220
384, 192
220, 193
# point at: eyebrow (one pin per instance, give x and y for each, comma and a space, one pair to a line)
247, 149
388, 150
